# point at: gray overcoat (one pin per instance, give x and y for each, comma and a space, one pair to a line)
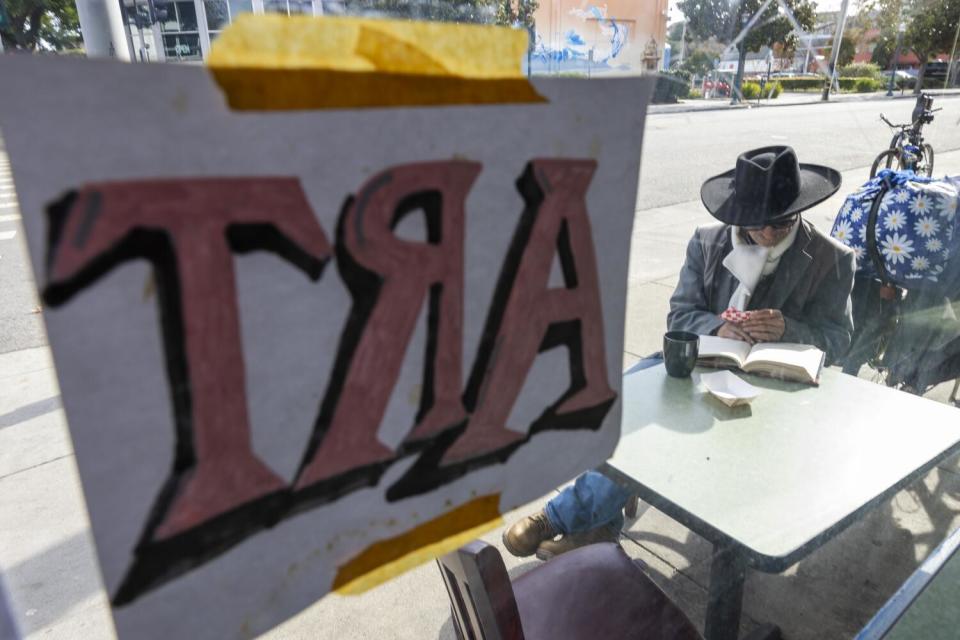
811, 286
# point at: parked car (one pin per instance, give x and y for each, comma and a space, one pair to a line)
716, 88
936, 71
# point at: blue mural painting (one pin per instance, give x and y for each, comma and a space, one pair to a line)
572, 53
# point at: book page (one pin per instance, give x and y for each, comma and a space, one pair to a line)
734, 350
802, 357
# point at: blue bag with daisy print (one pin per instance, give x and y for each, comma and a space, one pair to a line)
902, 228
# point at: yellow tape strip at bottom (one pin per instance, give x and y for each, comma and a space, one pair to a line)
389, 558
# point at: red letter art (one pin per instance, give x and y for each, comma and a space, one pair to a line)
187, 229
390, 280
533, 317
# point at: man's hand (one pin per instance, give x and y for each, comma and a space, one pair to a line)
765, 325
734, 332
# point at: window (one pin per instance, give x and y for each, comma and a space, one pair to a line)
288, 7
221, 13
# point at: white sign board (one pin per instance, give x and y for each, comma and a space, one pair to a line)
293, 346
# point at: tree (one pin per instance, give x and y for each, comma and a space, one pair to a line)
698, 63
930, 28
848, 50
506, 12
39, 25
725, 20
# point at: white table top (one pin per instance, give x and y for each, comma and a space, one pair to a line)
782, 475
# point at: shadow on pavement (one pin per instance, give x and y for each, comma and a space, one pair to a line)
29, 411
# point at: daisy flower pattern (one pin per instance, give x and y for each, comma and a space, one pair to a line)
843, 232
856, 214
845, 209
894, 220
920, 264
896, 248
857, 252
933, 245
921, 205
926, 227
901, 196
863, 234
948, 207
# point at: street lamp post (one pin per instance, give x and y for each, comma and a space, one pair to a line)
896, 56
953, 52
741, 61
835, 52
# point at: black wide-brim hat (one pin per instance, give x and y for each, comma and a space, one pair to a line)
767, 185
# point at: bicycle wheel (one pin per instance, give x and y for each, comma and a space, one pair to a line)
888, 159
927, 165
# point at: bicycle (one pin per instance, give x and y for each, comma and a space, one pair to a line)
908, 151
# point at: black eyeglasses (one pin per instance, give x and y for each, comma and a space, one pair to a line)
776, 224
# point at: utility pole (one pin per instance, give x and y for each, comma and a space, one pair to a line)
835, 52
946, 81
683, 43
896, 57
741, 60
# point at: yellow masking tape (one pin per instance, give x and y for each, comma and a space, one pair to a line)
389, 558
265, 62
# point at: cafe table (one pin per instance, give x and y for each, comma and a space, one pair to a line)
925, 607
769, 482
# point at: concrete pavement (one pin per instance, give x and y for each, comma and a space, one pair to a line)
787, 99
48, 560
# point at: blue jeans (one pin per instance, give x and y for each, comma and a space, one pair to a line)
594, 500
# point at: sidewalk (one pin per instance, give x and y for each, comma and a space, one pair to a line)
48, 561
788, 100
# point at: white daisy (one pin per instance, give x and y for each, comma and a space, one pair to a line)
845, 209
856, 214
887, 201
842, 231
921, 205
948, 206
863, 234
896, 248
901, 195
933, 245
920, 264
946, 254
894, 220
857, 252
926, 227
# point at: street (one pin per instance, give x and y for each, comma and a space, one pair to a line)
47, 556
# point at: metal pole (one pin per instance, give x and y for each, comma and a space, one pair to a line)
953, 51
835, 53
683, 42
896, 57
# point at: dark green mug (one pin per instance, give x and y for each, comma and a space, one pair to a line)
680, 351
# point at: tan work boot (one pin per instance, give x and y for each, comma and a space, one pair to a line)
522, 538
552, 548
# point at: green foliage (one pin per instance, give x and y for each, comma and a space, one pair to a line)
930, 27
802, 84
860, 70
750, 90
867, 85
40, 25
848, 49
694, 94
697, 63
671, 86
723, 20
772, 90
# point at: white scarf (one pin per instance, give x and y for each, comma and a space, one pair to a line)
749, 262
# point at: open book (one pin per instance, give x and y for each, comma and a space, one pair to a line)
800, 362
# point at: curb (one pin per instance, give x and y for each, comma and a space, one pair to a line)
658, 109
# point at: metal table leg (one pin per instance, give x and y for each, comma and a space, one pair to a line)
725, 599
